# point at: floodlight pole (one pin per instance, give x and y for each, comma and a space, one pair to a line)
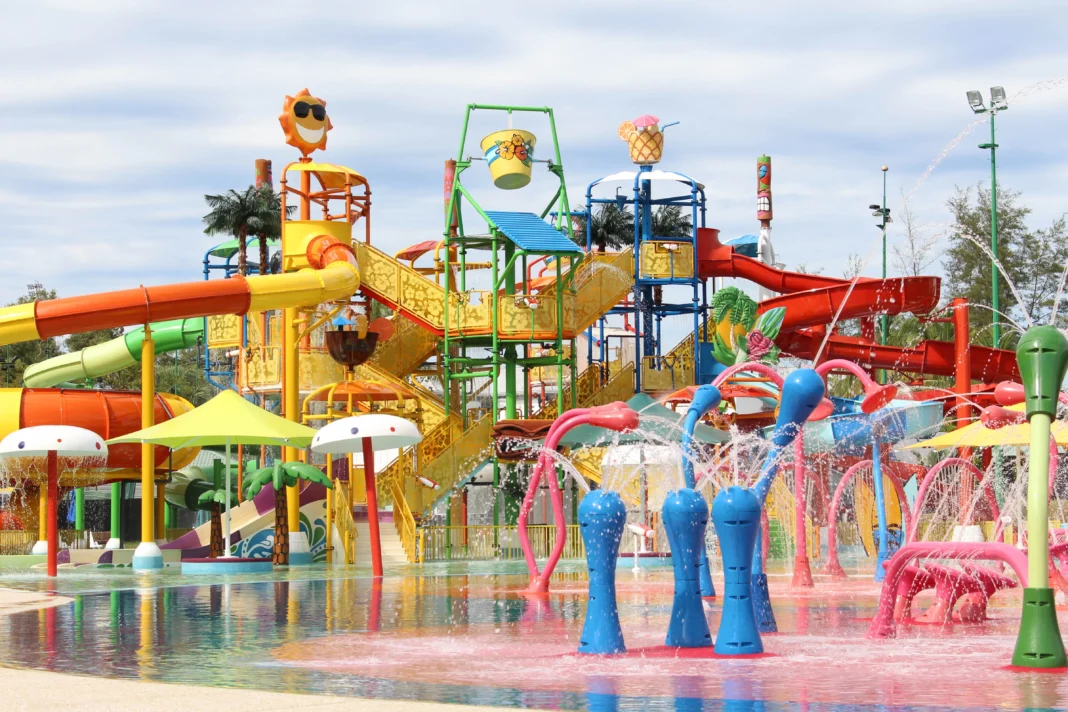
884, 319
995, 300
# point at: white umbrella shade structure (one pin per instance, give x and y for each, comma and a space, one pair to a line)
368, 433
385, 432
51, 442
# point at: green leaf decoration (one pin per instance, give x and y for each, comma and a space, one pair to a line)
721, 351
723, 302
744, 312
770, 322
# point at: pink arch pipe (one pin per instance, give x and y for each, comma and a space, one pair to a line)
614, 416
882, 626
875, 396
932, 474
833, 568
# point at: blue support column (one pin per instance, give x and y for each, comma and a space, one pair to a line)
880, 503
736, 515
602, 517
685, 517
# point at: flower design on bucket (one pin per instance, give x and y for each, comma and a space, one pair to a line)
516, 147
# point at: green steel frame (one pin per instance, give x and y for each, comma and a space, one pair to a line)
459, 369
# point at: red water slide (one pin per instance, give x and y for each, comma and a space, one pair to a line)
813, 301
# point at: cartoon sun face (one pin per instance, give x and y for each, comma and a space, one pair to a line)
305, 122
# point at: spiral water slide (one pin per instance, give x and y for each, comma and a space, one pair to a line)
332, 275
813, 301
113, 355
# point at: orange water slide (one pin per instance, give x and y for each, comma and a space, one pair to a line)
333, 275
109, 414
814, 301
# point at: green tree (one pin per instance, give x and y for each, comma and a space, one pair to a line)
610, 227
672, 221
967, 262
1033, 261
18, 356
279, 476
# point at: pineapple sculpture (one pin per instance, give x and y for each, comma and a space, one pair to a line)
645, 139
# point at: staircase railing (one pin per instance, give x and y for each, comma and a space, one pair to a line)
346, 527
602, 278
404, 521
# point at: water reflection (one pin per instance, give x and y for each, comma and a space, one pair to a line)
464, 634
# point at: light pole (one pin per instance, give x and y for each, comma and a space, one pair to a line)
883, 213
997, 103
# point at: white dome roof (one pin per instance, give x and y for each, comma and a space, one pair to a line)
64, 439
387, 432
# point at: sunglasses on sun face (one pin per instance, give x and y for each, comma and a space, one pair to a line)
301, 109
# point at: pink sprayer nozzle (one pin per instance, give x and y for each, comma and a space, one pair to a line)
1009, 393
619, 419
995, 417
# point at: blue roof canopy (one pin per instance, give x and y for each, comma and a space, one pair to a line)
531, 233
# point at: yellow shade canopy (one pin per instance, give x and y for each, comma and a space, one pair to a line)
978, 435
329, 174
227, 419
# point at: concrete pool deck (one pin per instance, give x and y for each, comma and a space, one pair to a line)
14, 601
32, 690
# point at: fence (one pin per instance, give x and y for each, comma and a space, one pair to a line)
17, 542
486, 543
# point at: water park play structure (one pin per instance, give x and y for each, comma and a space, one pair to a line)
517, 357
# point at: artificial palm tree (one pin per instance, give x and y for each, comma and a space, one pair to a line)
267, 224
279, 476
235, 213
254, 211
214, 500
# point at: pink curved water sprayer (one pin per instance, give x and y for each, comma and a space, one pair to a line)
614, 416
833, 568
882, 626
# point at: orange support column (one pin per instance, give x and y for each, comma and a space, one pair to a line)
963, 387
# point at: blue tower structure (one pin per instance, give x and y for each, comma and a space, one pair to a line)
661, 262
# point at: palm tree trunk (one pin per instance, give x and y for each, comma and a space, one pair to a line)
264, 257
242, 253
281, 528
216, 532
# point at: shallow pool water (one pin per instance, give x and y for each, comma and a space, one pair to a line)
467, 633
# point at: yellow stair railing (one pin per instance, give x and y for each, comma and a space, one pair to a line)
488, 542
346, 527
602, 278
406, 351
404, 521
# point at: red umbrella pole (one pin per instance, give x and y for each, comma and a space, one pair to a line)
372, 506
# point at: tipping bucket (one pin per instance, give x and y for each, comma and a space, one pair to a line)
510, 154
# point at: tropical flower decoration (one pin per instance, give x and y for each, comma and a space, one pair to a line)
516, 147
740, 334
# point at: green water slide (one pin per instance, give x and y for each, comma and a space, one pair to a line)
114, 355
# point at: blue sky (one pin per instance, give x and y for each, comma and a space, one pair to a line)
117, 116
